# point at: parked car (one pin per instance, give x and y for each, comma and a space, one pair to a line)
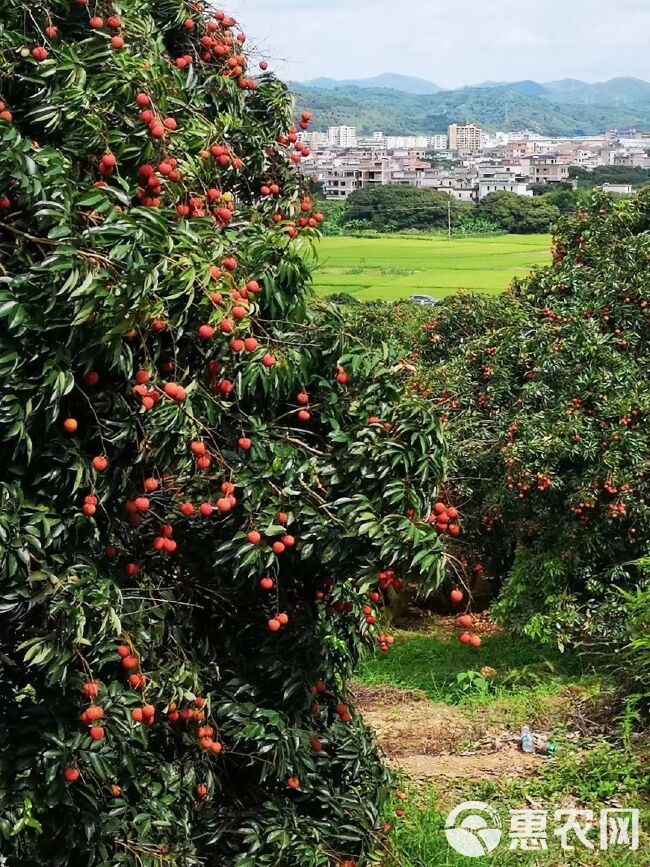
423, 300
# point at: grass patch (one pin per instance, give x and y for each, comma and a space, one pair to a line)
390, 267
532, 685
418, 838
450, 673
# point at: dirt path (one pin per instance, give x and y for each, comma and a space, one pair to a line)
435, 742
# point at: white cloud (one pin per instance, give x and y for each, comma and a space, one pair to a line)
452, 43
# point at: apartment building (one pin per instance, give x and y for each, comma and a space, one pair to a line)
439, 142
342, 136
465, 139
548, 169
498, 180
632, 160
341, 178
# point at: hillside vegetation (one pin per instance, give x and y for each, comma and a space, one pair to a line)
495, 107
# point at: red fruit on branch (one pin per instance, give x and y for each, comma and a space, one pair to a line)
206, 332
91, 689
97, 733
71, 775
39, 53
99, 463
253, 537
456, 596
175, 391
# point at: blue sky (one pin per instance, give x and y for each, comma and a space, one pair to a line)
451, 42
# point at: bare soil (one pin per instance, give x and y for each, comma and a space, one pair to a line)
435, 742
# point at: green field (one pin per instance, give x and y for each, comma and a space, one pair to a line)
397, 266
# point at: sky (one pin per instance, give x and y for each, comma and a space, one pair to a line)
451, 42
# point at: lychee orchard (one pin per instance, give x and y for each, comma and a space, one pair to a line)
210, 489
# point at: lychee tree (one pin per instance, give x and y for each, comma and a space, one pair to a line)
545, 399
209, 486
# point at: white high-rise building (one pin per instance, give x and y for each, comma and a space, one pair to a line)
342, 136
439, 142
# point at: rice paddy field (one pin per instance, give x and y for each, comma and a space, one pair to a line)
391, 267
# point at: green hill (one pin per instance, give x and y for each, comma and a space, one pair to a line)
494, 107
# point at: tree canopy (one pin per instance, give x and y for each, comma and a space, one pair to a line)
209, 486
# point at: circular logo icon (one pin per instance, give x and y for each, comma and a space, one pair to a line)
478, 833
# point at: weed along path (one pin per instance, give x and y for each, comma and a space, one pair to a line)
391, 267
449, 720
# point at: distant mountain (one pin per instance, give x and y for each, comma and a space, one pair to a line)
389, 80
499, 106
630, 91
527, 88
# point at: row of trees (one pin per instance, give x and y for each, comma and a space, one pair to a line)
587, 179
399, 209
545, 399
209, 487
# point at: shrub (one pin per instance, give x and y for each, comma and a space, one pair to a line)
518, 214
194, 506
395, 209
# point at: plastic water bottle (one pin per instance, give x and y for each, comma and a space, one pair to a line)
527, 745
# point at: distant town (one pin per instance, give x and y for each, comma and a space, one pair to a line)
467, 163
